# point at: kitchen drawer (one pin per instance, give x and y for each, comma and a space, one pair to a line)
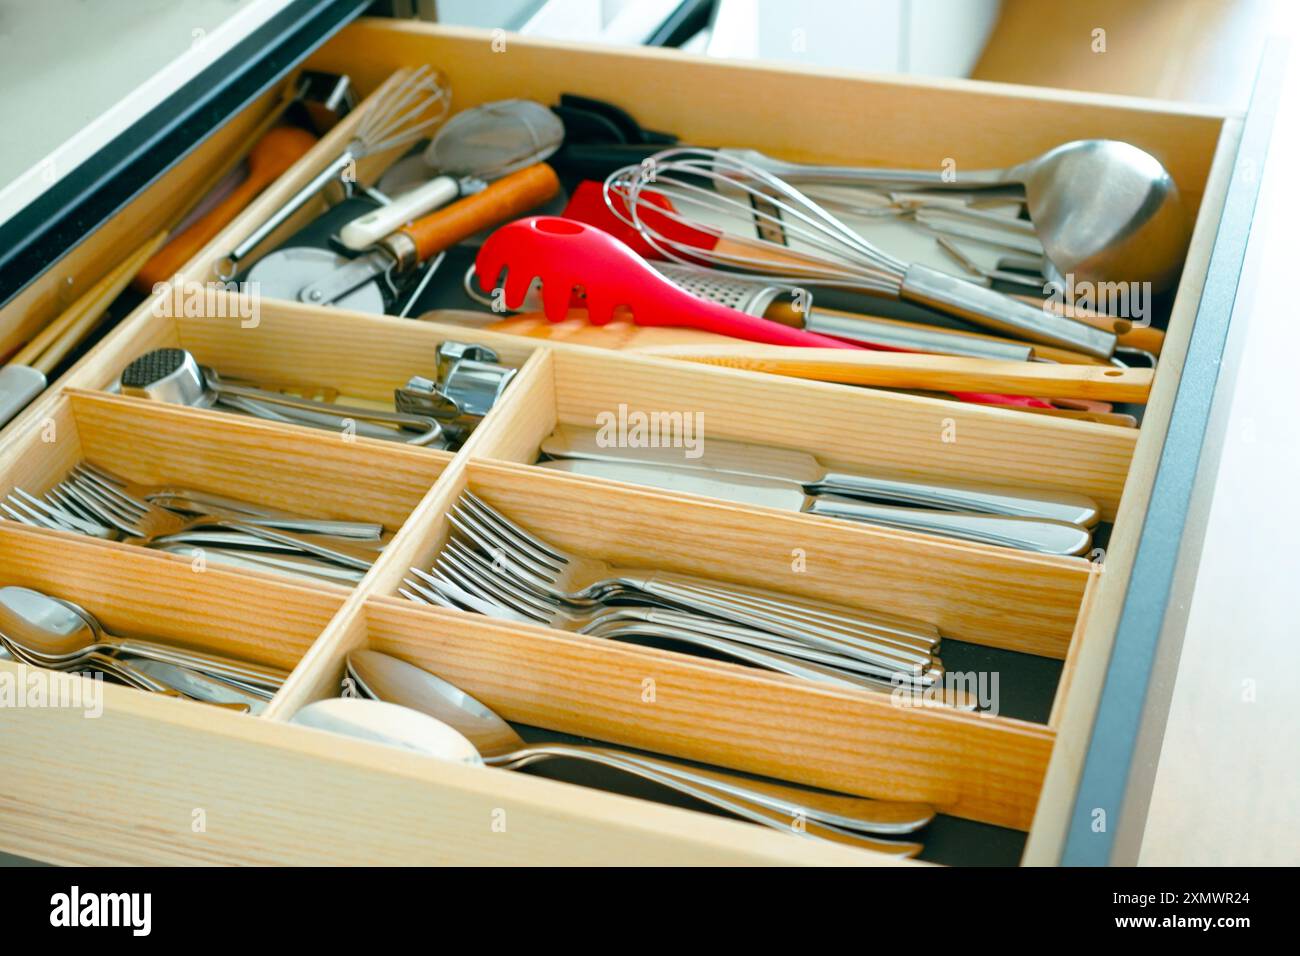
273, 792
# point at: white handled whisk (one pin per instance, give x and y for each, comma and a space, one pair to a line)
721, 206
404, 110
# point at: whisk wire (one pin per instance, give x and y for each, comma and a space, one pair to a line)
830, 252
392, 121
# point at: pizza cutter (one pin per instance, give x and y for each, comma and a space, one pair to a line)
324, 277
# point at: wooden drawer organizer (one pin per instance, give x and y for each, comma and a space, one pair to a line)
273, 792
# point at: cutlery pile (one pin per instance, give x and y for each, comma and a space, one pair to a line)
406, 706
437, 412
95, 502
492, 566
44, 631
1046, 522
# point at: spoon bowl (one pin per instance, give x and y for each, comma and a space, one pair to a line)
390, 724
43, 624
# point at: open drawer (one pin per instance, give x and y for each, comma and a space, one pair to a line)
1004, 783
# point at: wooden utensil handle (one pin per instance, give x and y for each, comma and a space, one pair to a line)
269, 159
1147, 338
943, 373
505, 199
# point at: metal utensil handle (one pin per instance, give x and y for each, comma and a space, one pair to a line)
340, 552
763, 640
431, 429
752, 654
244, 671
904, 632
203, 687
256, 514
673, 617
954, 296
278, 563
87, 661
804, 173
882, 817
1021, 503
752, 811
298, 416
865, 329
1025, 534
872, 651
291, 206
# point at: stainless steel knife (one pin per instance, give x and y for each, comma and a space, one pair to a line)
1040, 535
790, 465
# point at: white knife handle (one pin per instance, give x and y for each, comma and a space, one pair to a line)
364, 231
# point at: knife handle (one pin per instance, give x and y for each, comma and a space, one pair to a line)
1025, 534
505, 199
983, 499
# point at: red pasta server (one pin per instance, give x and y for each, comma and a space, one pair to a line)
565, 254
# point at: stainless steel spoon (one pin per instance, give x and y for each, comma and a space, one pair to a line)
1104, 210
61, 631
835, 817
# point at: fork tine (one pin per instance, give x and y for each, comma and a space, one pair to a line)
414, 593
15, 516
505, 524
91, 496
501, 527
87, 499
465, 580
109, 490
69, 521
469, 601
64, 513
427, 595
509, 576
497, 547
484, 588
58, 496
103, 473
490, 579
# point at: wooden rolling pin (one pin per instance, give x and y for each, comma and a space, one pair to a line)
914, 370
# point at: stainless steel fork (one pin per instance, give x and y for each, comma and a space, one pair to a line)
582, 582
143, 522
492, 579
177, 498
632, 623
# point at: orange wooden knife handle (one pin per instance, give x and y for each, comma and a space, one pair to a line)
505, 199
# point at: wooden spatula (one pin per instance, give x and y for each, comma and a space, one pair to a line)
883, 369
